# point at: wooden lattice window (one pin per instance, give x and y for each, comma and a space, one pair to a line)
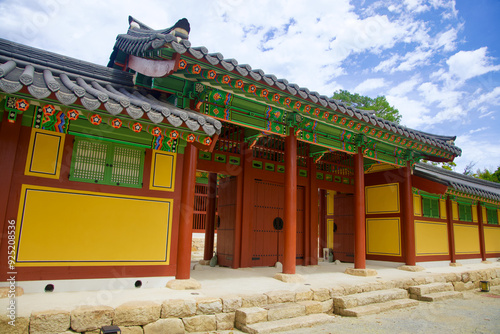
430, 207
465, 212
107, 163
492, 216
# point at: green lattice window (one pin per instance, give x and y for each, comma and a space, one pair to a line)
465, 212
107, 163
492, 216
430, 207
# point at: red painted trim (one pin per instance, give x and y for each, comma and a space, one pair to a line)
468, 256
335, 186
425, 258
482, 246
451, 233
238, 222
407, 217
384, 258
9, 139
427, 185
359, 212
247, 210
186, 213
312, 222
429, 219
290, 205
322, 220
210, 216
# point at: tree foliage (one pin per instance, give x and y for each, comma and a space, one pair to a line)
379, 105
488, 176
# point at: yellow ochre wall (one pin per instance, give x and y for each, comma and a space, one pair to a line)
60, 227
492, 239
417, 205
45, 154
466, 239
442, 209
383, 236
382, 198
431, 238
163, 171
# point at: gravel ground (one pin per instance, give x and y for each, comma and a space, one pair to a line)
478, 312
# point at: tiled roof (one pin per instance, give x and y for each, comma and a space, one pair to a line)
462, 183
44, 73
142, 39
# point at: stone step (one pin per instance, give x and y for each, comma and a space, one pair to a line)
287, 324
250, 315
378, 307
436, 296
366, 298
425, 289
284, 311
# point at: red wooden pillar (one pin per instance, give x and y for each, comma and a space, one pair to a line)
313, 214
210, 216
408, 220
9, 138
247, 209
451, 234
359, 212
238, 222
322, 221
481, 231
186, 214
290, 212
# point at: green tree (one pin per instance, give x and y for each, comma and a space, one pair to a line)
488, 176
379, 105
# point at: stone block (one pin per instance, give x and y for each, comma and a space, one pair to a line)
303, 294
131, 330
280, 296
466, 277
225, 321
321, 294
231, 303
200, 323
137, 313
361, 272
21, 325
411, 268
178, 308
208, 305
183, 284
468, 286
52, 321
5, 292
253, 300
327, 306
171, 326
312, 306
452, 277
351, 289
459, 286
455, 264
419, 280
495, 281
285, 311
289, 278
94, 331
250, 315
337, 291
87, 318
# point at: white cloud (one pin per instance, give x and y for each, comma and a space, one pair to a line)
416, 6
478, 130
488, 156
415, 114
465, 65
370, 85
492, 97
405, 87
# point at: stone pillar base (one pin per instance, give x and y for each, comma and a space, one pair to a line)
455, 264
204, 262
5, 291
360, 272
289, 278
411, 268
184, 284
486, 262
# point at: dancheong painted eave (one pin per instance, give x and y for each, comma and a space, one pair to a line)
45, 76
141, 41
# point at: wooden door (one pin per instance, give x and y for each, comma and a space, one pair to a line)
268, 242
226, 224
343, 245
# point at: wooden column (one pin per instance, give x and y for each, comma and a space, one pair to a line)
322, 221
290, 212
481, 231
186, 214
210, 216
9, 138
313, 215
238, 222
359, 212
451, 234
408, 220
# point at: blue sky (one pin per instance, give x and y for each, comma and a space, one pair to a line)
437, 61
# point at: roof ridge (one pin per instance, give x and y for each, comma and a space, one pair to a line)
459, 175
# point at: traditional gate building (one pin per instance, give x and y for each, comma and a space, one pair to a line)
99, 169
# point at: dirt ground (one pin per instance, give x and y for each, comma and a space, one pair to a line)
478, 312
